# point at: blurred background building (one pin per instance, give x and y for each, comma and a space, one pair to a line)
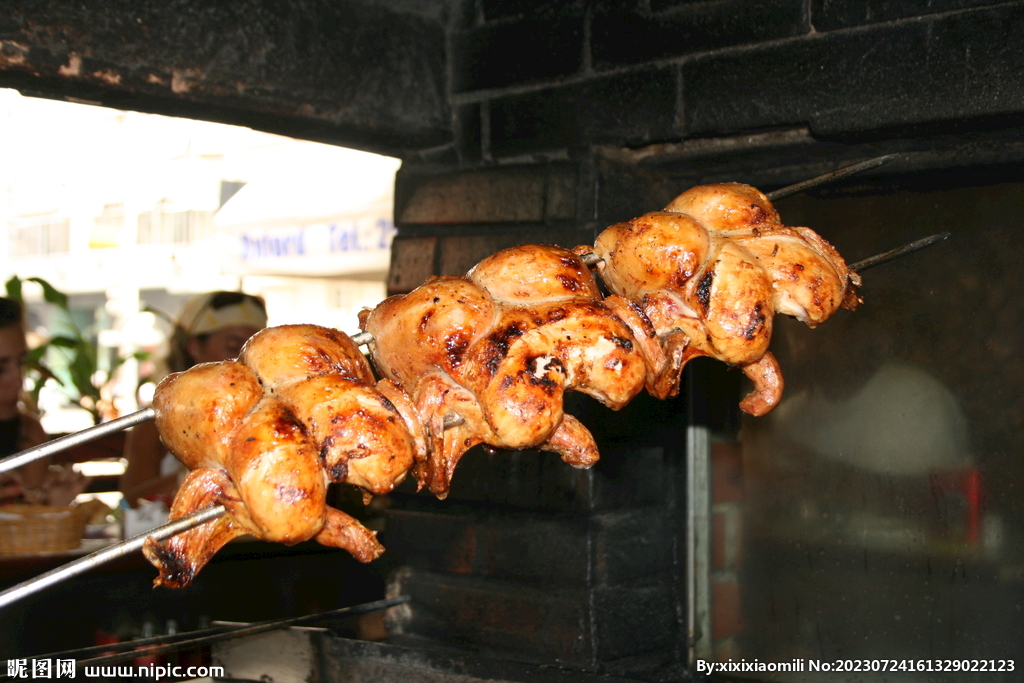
130, 214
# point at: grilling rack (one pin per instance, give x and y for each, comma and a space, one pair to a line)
187, 522
115, 653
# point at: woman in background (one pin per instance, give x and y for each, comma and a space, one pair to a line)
37, 482
211, 327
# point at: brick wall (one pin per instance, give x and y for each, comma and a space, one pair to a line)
569, 116
496, 80
532, 76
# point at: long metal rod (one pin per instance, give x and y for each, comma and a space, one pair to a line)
830, 177
107, 554
886, 256
164, 644
126, 645
249, 630
92, 433
592, 259
361, 338
698, 531
76, 439
135, 543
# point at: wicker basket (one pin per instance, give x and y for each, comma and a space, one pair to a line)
40, 528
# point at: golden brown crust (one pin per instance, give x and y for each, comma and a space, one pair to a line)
496, 351
278, 474
198, 411
266, 440
291, 352
486, 359
180, 557
360, 435
534, 273
711, 271
727, 206
345, 532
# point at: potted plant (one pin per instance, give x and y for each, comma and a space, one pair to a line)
71, 353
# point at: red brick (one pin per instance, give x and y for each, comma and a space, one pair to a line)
726, 472
726, 609
718, 521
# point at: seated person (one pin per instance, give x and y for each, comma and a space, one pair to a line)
38, 481
211, 327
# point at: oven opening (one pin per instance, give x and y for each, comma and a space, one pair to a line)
868, 528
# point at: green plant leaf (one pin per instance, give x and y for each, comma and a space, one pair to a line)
51, 294
36, 354
44, 372
75, 357
66, 342
14, 288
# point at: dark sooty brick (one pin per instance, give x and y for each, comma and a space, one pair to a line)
949, 69
620, 109
828, 15
620, 35
524, 51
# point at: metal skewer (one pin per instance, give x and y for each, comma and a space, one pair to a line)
830, 177
183, 524
92, 433
361, 338
886, 256
250, 630
76, 439
119, 652
107, 554
93, 651
592, 259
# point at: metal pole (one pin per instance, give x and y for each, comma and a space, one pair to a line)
84, 564
76, 439
886, 256
361, 338
245, 631
830, 177
86, 435
698, 531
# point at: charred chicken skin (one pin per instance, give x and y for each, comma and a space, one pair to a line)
266, 434
487, 358
710, 272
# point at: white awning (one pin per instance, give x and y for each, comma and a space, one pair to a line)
329, 222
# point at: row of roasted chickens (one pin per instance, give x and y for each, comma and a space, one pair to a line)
484, 359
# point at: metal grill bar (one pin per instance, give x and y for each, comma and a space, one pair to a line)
830, 177
76, 439
84, 564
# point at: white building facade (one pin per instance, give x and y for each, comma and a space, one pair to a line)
130, 214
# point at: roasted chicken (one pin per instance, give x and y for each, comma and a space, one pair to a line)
485, 359
266, 434
490, 355
710, 272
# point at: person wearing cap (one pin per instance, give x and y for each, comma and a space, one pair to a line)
211, 327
